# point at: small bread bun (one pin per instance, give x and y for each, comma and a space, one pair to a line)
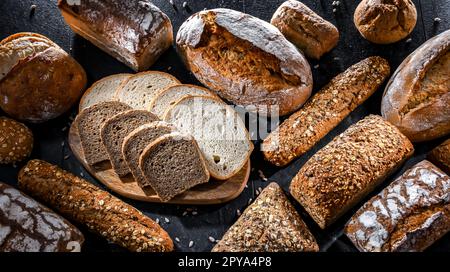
16, 141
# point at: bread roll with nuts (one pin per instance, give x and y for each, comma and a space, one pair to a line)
16, 141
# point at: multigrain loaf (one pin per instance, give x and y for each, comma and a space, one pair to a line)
219, 131
172, 164
417, 97
325, 110
440, 156
89, 123
409, 215
114, 131
303, 27
135, 143
102, 90
135, 32
349, 167
16, 141
269, 224
83, 203
27, 226
140, 89
245, 60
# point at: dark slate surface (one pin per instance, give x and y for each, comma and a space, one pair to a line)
51, 137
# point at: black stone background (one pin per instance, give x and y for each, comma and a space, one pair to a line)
214, 220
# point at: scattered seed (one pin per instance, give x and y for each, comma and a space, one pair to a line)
177, 239
185, 213
437, 20
184, 4
194, 213
408, 40
238, 212
66, 157
316, 66
62, 144
157, 220
166, 220
81, 174
32, 9
334, 10
64, 129
191, 243
211, 239
250, 201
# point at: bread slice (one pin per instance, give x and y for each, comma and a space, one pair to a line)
102, 90
270, 224
173, 164
141, 88
135, 143
167, 98
114, 131
89, 122
219, 131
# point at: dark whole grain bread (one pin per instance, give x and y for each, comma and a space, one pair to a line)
408, 215
28, 226
440, 156
89, 122
136, 142
172, 164
114, 131
269, 224
16, 141
98, 210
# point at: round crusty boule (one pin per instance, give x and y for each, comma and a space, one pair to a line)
16, 141
385, 21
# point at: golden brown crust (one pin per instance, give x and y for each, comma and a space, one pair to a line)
440, 156
16, 141
102, 213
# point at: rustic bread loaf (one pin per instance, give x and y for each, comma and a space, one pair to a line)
304, 28
349, 167
245, 60
16, 141
89, 123
114, 131
417, 97
269, 224
102, 90
324, 111
172, 164
135, 143
39, 80
102, 213
440, 156
27, 226
134, 32
408, 215
140, 89
218, 130
385, 21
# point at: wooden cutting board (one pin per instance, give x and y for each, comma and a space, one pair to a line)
213, 192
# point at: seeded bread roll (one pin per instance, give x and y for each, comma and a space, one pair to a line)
349, 167
409, 215
102, 213
440, 156
16, 141
269, 224
324, 111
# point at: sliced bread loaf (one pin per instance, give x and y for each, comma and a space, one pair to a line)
138, 90
173, 164
114, 131
102, 90
219, 131
135, 143
167, 98
89, 122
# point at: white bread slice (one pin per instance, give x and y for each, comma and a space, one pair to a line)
102, 90
219, 131
167, 98
138, 90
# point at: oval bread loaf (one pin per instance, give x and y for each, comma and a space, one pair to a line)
16, 141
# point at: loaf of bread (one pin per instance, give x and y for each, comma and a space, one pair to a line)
85, 204
135, 32
304, 28
440, 156
38, 80
245, 60
408, 215
16, 141
27, 226
417, 97
269, 224
343, 172
324, 111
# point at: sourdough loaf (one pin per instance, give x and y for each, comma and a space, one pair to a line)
349, 167
440, 156
16, 141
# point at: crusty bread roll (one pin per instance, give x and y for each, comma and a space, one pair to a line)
16, 141
38, 80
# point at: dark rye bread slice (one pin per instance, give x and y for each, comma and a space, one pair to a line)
135, 143
89, 122
114, 131
172, 164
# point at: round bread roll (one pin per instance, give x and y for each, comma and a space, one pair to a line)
16, 141
38, 80
385, 21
